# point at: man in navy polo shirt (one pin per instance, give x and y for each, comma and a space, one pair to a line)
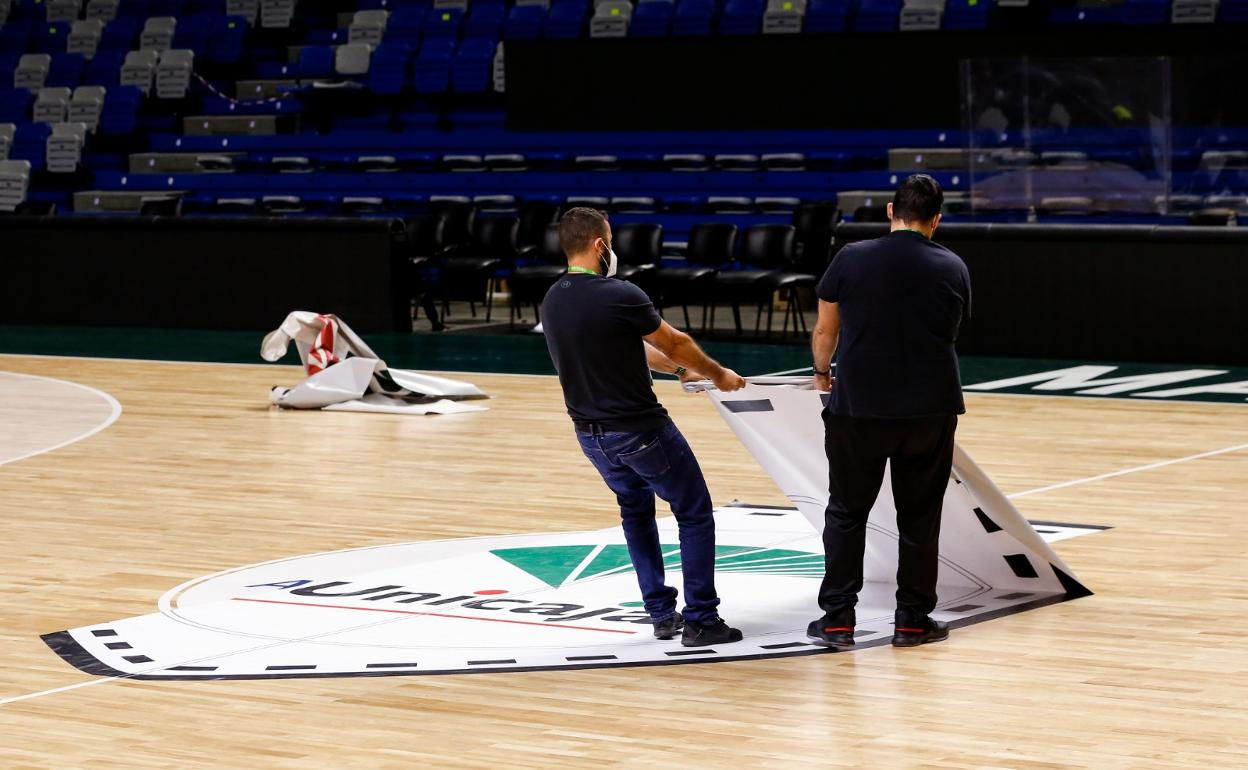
605, 337
890, 310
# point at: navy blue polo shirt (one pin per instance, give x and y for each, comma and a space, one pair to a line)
902, 299
594, 328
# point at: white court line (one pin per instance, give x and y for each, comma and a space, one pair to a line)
112, 417
1125, 471
41, 693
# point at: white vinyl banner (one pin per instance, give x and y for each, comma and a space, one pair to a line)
984, 541
345, 375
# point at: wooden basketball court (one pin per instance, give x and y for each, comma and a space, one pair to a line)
199, 474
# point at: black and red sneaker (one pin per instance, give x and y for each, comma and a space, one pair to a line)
830, 634
912, 633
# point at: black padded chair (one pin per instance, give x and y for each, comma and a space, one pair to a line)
472, 272
535, 216
639, 248
529, 283
815, 223
710, 247
767, 260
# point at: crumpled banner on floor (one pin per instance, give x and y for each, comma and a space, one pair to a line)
985, 542
345, 375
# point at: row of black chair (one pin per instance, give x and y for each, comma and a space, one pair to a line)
458, 254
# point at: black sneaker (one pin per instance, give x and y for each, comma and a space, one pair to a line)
838, 637
704, 634
912, 634
670, 626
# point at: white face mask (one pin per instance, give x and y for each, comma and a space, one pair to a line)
610, 262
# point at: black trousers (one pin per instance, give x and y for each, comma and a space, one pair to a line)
920, 450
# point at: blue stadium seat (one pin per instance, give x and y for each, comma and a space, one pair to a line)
693, 17
204, 7
877, 16
524, 22
15, 104
387, 72
566, 19
316, 61
13, 37
652, 18
1233, 11
431, 71
404, 25
48, 38
120, 34
66, 70
143, 9
472, 70
120, 115
226, 39
192, 34
30, 143
968, 14
485, 19
442, 24
104, 68
741, 17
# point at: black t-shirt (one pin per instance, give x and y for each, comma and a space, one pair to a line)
594, 327
902, 300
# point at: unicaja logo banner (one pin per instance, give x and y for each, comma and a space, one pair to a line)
570, 600
523, 602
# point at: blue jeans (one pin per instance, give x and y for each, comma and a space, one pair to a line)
638, 466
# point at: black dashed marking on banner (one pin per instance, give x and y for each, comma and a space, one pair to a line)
118, 646
491, 662
1015, 595
575, 658
989, 524
785, 646
755, 405
192, 668
104, 632
760, 513
1047, 531
289, 668
965, 608
1021, 565
677, 653
390, 665
137, 658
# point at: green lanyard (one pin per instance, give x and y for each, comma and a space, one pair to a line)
579, 269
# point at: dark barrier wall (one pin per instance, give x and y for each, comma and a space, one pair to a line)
850, 81
201, 273
1133, 293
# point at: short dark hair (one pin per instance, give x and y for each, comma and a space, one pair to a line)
578, 228
918, 199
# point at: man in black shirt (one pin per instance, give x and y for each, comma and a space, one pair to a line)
604, 337
890, 310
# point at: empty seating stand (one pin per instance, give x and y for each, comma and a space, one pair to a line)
14, 183
139, 70
611, 18
784, 17
51, 105
32, 71
86, 105
64, 147
173, 74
